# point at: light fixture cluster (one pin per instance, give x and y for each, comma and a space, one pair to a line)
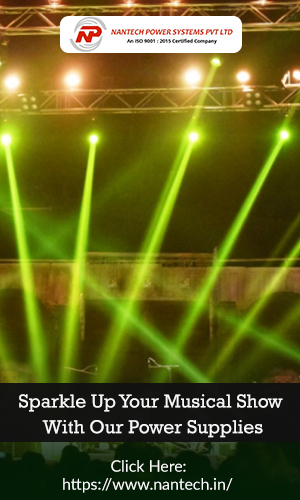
193, 136
12, 82
28, 102
6, 139
192, 78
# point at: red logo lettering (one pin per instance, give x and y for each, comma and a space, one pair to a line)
93, 31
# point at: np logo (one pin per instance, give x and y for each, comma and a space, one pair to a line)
88, 34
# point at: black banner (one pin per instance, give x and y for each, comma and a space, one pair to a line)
150, 412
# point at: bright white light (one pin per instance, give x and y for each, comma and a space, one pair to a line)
216, 62
54, 3
6, 139
72, 80
243, 76
192, 77
193, 136
284, 134
296, 74
93, 139
12, 82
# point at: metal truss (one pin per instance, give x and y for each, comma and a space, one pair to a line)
157, 100
256, 16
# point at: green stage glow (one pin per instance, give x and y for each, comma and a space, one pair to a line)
149, 336
70, 339
193, 136
6, 139
6, 359
225, 249
252, 315
152, 245
265, 338
38, 349
153, 240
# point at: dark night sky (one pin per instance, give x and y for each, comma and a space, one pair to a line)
136, 154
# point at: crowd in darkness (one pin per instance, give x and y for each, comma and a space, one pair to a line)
259, 470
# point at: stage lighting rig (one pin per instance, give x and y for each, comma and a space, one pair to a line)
28, 103
253, 98
291, 79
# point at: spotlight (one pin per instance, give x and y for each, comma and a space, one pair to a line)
291, 80
54, 3
193, 137
215, 62
243, 76
93, 139
192, 77
12, 82
296, 74
72, 80
6, 139
284, 135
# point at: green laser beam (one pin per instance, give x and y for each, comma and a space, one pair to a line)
226, 247
72, 313
233, 233
265, 337
38, 350
156, 232
258, 306
287, 236
293, 315
5, 354
147, 333
151, 246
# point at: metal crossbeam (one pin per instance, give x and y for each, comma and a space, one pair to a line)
156, 100
256, 16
